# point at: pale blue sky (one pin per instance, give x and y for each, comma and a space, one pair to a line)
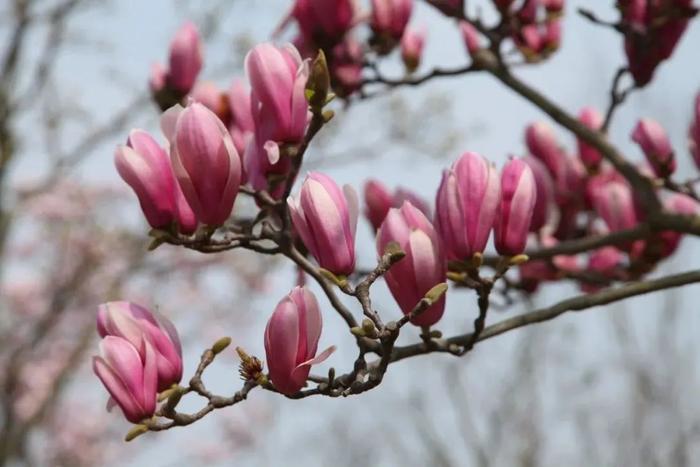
138, 33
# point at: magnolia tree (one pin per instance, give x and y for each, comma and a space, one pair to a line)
595, 217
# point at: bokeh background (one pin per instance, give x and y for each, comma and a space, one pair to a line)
613, 386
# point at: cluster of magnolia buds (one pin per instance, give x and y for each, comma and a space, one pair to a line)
221, 141
535, 25
582, 195
210, 153
141, 358
652, 29
329, 25
472, 201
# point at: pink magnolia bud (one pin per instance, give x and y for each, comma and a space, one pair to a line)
653, 140
532, 273
470, 36
593, 184
205, 161
566, 263
681, 204
633, 11
390, 17
242, 125
528, 11
588, 154
551, 39
146, 167
158, 77
542, 143
424, 265
291, 340
208, 94
530, 41
346, 66
378, 201
324, 21
694, 133
185, 58
603, 261
402, 194
642, 63
412, 44
128, 377
466, 205
614, 203
544, 203
553, 6
672, 17
139, 326
652, 31
569, 181
518, 196
326, 219
278, 78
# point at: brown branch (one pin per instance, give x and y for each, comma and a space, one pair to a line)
592, 242
362, 293
416, 81
617, 97
367, 378
579, 303
493, 65
292, 253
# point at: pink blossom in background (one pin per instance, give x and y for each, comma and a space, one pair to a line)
470, 36
412, 44
542, 143
390, 17
590, 156
158, 78
654, 142
527, 14
603, 261
694, 132
185, 60
212, 97
346, 66
614, 203
324, 21
544, 204
378, 201
654, 30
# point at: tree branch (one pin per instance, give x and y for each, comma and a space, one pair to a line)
579, 303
